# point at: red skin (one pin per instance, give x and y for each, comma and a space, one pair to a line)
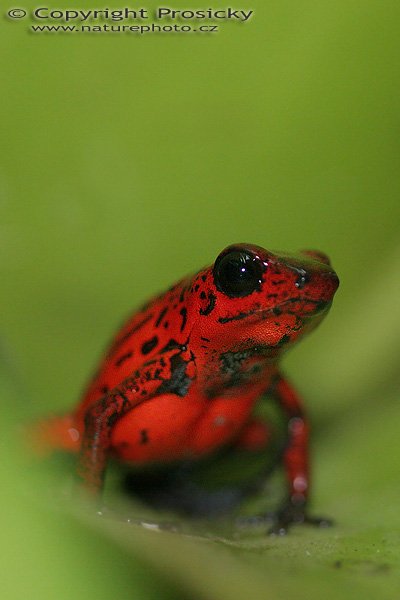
182, 376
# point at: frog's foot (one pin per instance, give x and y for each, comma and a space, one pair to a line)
292, 513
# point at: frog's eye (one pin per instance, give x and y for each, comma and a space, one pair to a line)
238, 273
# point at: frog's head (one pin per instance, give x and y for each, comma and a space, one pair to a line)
252, 295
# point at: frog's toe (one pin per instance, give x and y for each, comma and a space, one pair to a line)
281, 527
292, 514
318, 521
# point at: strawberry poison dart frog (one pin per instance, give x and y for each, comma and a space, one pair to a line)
183, 375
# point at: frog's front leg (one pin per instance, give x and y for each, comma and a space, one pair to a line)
101, 417
295, 459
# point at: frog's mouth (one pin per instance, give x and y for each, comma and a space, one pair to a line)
300, 306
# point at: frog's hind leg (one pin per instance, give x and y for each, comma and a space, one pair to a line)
255, 436
56, 433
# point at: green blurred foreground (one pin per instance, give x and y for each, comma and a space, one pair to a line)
127, 163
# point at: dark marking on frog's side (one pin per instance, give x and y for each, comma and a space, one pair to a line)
161, 316
123, 445
148, 346
182, 295
183, 313
179, 382
112, 419
149, 362
129, 333
204, 278
102, 405
235, 371
171, 345
152, 374
211, 304
298, 325
104, 389
144, 437
231, 361
205, 339
120, 361
196, 287
284, 339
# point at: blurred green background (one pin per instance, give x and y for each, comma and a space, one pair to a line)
129, 161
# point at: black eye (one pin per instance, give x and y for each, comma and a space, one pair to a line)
238, 273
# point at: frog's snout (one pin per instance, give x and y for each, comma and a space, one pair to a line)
330, 283
332, 278
318, 272
313, 277
321, 284
317, 255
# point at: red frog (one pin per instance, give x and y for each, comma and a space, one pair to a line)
183, 375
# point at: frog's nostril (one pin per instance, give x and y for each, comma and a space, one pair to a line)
302, 279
